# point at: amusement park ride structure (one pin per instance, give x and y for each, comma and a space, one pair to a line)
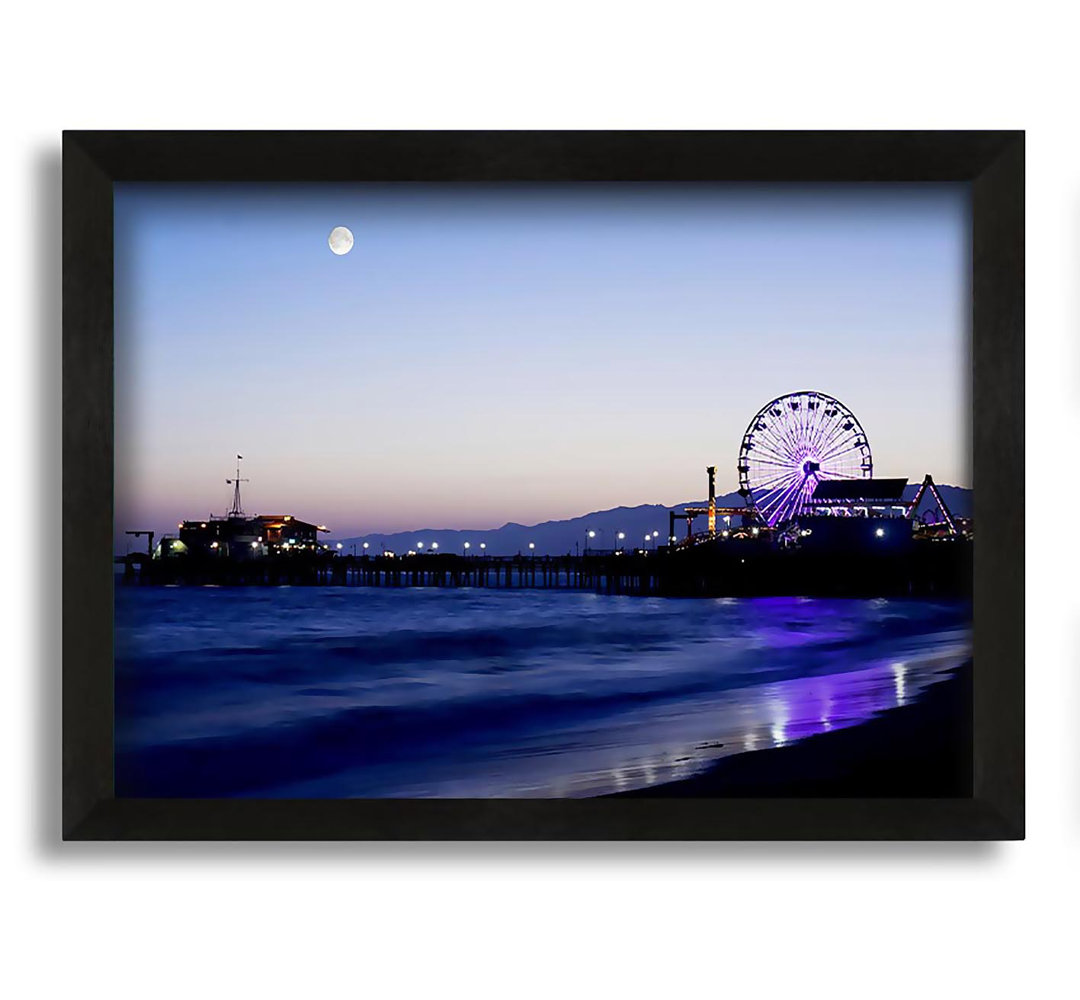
805, 456
793, 443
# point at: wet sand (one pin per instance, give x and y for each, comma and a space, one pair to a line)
919, 750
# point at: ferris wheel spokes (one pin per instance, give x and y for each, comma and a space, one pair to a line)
793, 443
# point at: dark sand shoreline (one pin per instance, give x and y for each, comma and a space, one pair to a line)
922, 750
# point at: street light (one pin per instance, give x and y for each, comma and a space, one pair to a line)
532, 548
434, 545
365, 546
419, 545
466, 547
340, 546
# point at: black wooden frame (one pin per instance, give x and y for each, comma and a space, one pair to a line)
994, 164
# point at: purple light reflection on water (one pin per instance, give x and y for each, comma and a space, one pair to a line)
779, 714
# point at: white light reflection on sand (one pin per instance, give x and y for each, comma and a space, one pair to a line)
781, 715
825, 719
899, 671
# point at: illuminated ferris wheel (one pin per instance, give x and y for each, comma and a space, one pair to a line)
792, 444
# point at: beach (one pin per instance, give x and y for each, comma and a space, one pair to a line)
918, 750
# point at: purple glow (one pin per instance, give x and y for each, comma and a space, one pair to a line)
793, 443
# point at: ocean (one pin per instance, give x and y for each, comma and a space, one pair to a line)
327, 692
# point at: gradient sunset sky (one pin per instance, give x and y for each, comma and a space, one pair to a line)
494, 353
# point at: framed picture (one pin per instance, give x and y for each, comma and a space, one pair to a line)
541, 485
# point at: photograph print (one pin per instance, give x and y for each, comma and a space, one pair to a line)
563, 490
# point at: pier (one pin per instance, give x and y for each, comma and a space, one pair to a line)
814, 530
427, 570
722, 569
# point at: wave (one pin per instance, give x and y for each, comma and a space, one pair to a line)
232, 696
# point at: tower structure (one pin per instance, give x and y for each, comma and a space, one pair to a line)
711, 470
236, 510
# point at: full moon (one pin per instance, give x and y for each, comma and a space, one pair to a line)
341, 240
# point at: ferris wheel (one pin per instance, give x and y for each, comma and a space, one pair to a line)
793, 443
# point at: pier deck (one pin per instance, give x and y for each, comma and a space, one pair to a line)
748, 569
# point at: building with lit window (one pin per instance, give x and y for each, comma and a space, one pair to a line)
244, 537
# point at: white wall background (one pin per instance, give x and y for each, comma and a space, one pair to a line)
506, 920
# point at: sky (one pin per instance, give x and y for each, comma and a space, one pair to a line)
513, 352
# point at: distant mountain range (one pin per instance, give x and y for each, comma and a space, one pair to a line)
561, 537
